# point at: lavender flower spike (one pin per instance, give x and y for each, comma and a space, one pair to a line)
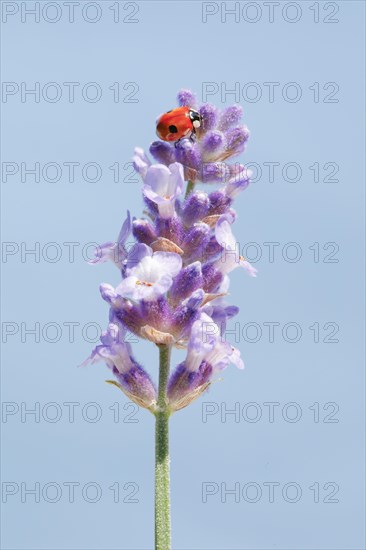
174, 280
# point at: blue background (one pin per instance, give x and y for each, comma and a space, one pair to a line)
170, 48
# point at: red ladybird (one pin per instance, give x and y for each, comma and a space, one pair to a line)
177, 124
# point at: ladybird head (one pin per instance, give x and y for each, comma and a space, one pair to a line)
195, 118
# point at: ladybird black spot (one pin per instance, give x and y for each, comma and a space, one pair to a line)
173, 129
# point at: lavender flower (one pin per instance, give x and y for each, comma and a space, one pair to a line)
230, 258
132, 379
162, 186
207, 353
174, 280
114, 251
152, 277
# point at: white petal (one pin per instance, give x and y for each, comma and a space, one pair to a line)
166, 208
224, 234
140, 161
176, 179
157, 177
236, 359
168, 262
128, 288
162, 286
248, 267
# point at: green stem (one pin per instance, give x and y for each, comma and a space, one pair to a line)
190, 188
162, 474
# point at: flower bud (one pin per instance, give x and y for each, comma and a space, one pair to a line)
162, 152
230, 117
143, 231
186, 98
186, 282
219, 202
137, 385
195, 207
215, 172
196, 241
208, 113
188, 154
213, 144
212, 278
185, 386
171, 229
236, 139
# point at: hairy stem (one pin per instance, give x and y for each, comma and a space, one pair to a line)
162, 460
190, 188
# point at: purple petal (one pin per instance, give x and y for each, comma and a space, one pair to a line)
103, 253
125, 230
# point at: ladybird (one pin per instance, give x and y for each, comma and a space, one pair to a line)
177, 124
